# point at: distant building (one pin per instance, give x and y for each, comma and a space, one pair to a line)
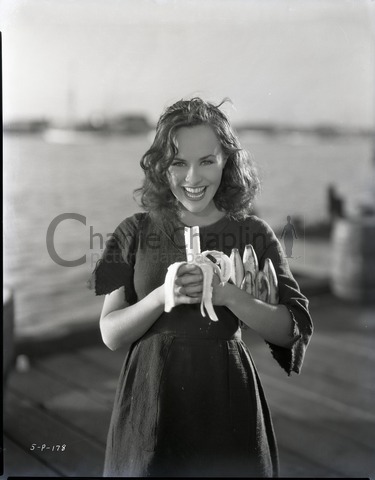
25, 126
131, 124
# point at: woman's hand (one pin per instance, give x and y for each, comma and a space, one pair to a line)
188, 285
273, 322
220, 292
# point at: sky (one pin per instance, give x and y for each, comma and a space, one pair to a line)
281, 61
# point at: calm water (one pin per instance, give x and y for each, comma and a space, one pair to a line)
95, 177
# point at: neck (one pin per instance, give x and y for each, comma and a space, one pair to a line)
195, 219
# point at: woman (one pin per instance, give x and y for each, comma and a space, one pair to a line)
189, 400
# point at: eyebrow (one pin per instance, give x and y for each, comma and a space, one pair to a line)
202, 158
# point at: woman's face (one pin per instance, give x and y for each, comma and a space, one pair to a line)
196, 171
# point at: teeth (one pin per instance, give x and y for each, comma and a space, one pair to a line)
195, 189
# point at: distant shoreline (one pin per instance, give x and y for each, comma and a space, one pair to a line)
135, 125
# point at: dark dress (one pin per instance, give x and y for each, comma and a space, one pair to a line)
189, 400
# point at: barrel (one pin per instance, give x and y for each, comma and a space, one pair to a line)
8, 332
353, 259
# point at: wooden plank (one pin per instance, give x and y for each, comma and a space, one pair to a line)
61, 401
298, 404
316, 378
103, 356
36, 385
81, 373
322, 373
355, 438
345, 410
307, 439
27, 425
340, 360
294, 464
18, 462
356, 344
82, 412
334, 315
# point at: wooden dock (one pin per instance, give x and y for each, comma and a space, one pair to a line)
324, 418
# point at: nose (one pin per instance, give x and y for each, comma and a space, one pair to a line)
193, 175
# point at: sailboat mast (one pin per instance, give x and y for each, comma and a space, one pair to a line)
71, 100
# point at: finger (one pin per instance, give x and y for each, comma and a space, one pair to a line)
187, 300
179, 290
196, 295
189, 291
192, 289
190, 279
188, 268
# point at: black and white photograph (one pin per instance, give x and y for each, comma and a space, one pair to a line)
188, 238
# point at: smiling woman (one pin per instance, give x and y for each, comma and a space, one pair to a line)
197, 138
195, 174
189, 400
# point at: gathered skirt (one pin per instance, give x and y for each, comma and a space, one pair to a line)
190, 404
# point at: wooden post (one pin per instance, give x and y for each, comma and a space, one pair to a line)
8, 332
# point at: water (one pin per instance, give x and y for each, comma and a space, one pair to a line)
95, 177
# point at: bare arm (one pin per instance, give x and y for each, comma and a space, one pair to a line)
121, 323
272, 322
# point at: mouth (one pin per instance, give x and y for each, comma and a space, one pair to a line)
194, 193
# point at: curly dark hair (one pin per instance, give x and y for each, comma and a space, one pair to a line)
239, 182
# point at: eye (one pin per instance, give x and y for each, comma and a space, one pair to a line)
178, 163
207, 162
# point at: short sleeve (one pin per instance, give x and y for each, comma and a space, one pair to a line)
290, 359
115, 268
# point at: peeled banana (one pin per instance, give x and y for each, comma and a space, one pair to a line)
220, 265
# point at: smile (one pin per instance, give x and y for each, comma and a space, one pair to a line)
194, 193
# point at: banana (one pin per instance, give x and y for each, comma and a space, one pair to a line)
250, 260
237, 268
270, 272
262, 286
244, 273
248, 283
